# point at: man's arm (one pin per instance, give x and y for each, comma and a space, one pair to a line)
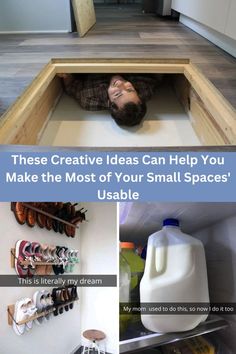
72, 85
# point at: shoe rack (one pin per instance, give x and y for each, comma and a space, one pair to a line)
23, 215
52, 216
11, 311
27, 262
28, 213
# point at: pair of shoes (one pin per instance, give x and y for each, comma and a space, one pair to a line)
63, 298
24, 309
70, 214
44, 303
23, 214
48, 255
72, 290
61, 260
73, 259
48, 222
26, 253
42, 219
78, 218
67, 259
74, 217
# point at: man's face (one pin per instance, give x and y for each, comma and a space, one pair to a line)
121, 92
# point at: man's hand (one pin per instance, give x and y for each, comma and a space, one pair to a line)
63, 76
67, 78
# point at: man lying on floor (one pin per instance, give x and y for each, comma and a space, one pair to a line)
124, 96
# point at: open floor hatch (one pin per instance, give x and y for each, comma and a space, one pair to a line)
43, 115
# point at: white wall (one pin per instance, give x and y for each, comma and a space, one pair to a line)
62, 333
220, 247
99, 245
35, 16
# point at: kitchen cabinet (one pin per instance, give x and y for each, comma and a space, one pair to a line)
212, 223
215, 14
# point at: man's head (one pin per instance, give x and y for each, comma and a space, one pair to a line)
126, 106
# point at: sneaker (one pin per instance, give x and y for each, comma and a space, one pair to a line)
37, 253
64, 257
76, 255
23, 253
41, 270
62, 260
40, 304
47, 255
20, 314
49, 304
57, 267
68, 255
30, 310
74, 260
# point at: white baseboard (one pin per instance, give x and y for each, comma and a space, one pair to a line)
224, 42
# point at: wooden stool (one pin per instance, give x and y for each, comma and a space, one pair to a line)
93, 336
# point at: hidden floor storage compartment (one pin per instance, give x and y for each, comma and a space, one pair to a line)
186, 110
211, 223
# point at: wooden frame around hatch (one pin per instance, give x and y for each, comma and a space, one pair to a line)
212, 116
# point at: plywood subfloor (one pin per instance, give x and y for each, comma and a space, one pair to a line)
166, 124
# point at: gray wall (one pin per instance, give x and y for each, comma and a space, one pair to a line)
35, 15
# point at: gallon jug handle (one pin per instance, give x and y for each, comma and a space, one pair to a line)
160, 259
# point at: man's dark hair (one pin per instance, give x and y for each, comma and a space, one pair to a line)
130, 114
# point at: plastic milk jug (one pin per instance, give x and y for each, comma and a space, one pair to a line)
175, 272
